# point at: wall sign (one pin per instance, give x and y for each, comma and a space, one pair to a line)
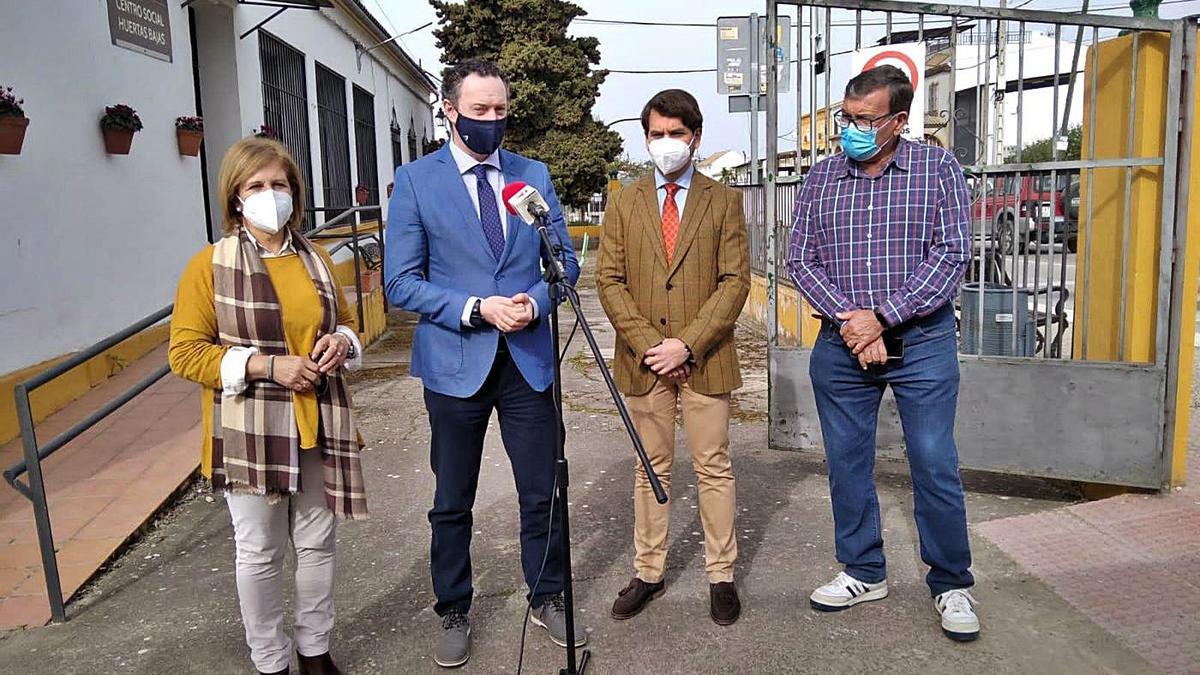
143, 26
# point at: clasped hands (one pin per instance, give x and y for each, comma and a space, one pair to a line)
508, 314
669, 359
863, 334
302, 373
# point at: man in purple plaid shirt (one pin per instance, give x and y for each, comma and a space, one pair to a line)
880, 241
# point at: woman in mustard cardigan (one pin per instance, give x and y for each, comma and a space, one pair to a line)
262, 324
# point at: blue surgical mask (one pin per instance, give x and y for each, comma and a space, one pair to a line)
481, 136
859, 145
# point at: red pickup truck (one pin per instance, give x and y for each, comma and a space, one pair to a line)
1012, 210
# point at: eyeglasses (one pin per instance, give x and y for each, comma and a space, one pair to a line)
843, 120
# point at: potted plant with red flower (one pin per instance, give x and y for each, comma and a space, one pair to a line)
189, 131
12, 122
119, 124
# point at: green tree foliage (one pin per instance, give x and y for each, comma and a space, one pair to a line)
1043, 150
626, 168
553, 86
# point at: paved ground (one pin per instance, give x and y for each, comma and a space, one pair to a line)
169, 605
151, 441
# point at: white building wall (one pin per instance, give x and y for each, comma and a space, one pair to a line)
329, 37
91, 242
1034, 109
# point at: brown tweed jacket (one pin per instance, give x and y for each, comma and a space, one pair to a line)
697, 298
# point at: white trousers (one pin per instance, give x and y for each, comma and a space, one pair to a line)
261, 532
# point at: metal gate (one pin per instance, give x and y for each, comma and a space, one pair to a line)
335, 141
1006, 91
285, 102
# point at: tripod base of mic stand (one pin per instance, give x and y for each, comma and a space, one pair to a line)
585, 657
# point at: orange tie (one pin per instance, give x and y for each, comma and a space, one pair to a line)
670, 218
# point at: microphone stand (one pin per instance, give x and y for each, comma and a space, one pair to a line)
560, 288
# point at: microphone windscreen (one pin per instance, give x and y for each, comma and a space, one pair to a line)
509, 191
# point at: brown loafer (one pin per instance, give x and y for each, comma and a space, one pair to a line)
318, 665
633, 598
724, 605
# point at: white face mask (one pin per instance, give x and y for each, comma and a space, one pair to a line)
669, 154
268, 210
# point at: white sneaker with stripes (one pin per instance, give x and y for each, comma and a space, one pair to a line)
845, 591
957, 609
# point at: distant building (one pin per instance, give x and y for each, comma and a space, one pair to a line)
717, 165
1032, 82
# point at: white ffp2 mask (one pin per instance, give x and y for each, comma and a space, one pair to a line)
268, 210
669, 154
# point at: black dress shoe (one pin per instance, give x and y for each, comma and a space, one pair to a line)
634, 598
724, 605
318, 665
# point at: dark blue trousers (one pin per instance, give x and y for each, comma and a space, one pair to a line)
458, 426
925, 384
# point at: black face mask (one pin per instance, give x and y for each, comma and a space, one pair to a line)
481, 136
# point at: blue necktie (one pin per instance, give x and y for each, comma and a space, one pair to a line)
489, 214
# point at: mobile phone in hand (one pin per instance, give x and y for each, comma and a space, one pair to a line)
894, 346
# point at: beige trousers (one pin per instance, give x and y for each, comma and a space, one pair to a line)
706, 424
262, 533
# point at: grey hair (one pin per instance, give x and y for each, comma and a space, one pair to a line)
900, 89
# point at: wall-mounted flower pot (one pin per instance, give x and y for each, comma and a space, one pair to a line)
12, 134
117, 141
189, 142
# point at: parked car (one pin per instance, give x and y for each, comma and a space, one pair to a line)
1071, 197
1014, 210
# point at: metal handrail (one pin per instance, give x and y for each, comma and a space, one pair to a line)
35, 491
344, 217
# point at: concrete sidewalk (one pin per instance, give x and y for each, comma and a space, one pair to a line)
100, 488
169, 603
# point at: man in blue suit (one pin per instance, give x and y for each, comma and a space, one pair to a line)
473, 273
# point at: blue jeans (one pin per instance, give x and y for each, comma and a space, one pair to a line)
925, 384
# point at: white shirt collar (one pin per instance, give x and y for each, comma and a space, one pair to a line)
286, 249
684, 182
466, 162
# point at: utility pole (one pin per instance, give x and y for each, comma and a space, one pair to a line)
755, 50
1001, 85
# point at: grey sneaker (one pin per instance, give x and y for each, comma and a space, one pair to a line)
454, 649
552, 616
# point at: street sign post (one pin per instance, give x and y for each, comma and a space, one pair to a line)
742, 61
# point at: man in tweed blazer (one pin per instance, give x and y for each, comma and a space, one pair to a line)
673, 277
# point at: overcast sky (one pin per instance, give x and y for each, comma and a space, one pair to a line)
681, 47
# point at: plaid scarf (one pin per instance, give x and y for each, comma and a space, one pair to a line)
255, 442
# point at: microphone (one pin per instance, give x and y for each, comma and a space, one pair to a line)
523, 200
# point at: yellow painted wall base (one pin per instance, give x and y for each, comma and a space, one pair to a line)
374, 315
592, 231
790, 306
56, 394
